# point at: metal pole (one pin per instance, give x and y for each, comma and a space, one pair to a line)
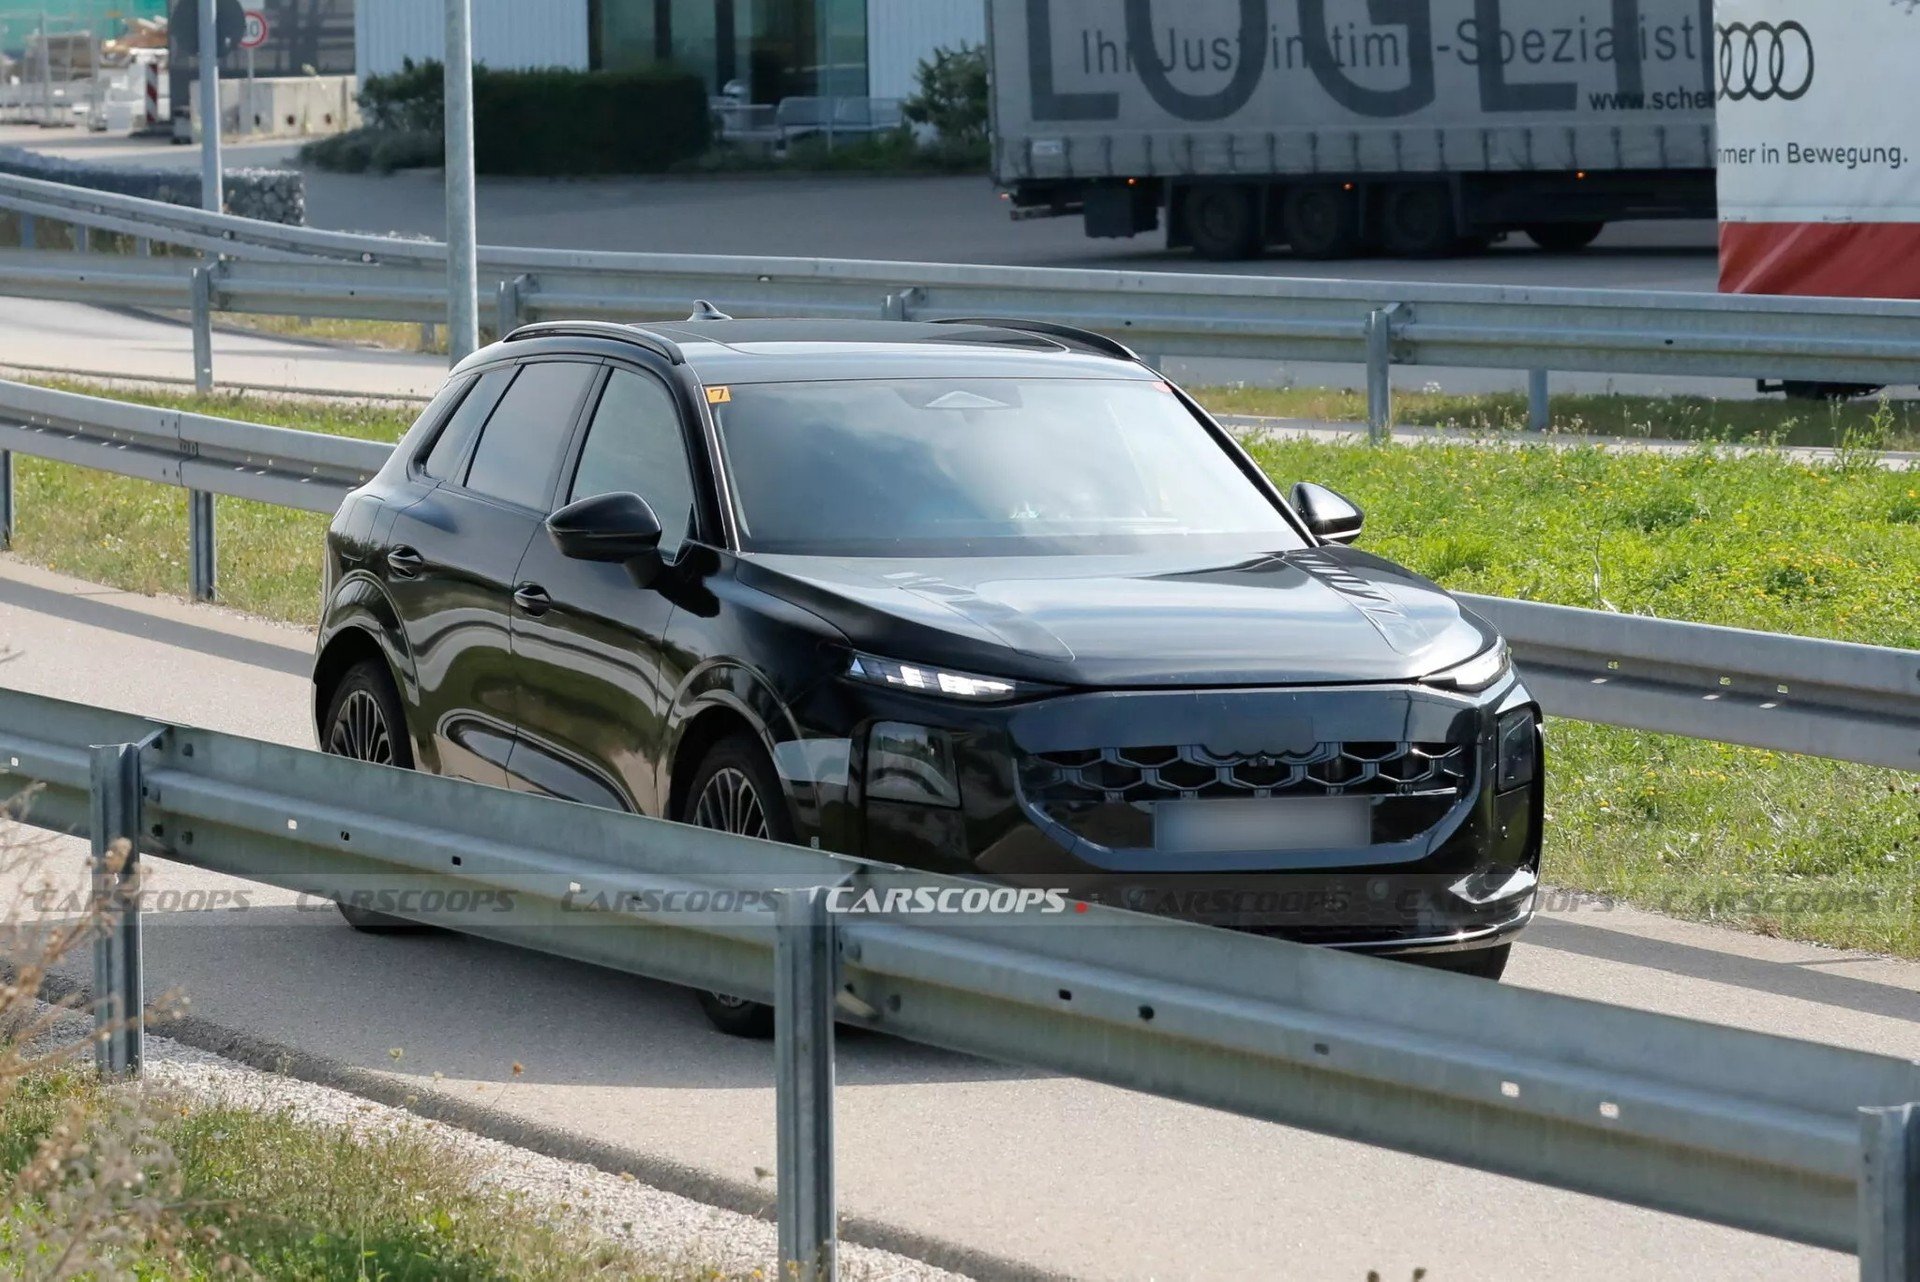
203, 330
203, 564
1380, 375
6, 499
463, 270
1890, 1194
119, 1004
250, 115
212, 191
803, 1084
1539, 401
46, 73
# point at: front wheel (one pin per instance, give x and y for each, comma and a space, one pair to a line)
736, 791
365, 723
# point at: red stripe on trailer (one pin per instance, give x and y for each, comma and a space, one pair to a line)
1833, 260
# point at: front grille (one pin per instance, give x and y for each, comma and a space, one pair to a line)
1120, 776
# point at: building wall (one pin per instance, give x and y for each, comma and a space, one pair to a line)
902, 32
506, 33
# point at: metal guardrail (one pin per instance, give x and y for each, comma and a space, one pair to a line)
1831, 699
1376, 323
1800, 1141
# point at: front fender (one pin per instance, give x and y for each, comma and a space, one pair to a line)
360, 604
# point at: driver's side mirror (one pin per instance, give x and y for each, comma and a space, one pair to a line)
1327, 514
619, 529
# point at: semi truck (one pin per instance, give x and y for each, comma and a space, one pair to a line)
1415, 128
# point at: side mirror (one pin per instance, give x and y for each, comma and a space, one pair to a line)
616, 528
1327, 514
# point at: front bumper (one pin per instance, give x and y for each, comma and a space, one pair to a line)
1060, 793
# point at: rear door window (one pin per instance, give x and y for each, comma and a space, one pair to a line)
521, 446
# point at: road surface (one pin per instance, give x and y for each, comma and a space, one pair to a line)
1019, 1172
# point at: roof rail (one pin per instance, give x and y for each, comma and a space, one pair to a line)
1085, 339
602, 329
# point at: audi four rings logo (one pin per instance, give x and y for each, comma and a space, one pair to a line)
1765, 60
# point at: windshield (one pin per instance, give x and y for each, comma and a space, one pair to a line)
982, 467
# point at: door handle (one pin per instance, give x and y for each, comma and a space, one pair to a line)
405, 562
533, 599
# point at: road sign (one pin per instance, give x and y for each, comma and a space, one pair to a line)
257, 30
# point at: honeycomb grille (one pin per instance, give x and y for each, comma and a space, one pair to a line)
1126, 775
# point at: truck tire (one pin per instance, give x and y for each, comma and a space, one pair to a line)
1223, 222
1416, 221
1564, 238
1322, 221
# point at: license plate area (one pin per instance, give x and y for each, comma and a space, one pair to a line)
1233, 824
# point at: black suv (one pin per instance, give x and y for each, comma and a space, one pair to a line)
981, 597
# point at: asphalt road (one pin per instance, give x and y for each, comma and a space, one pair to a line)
1048, 1173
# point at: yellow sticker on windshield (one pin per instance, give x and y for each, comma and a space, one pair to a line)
719, 395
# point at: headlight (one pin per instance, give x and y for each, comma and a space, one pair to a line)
913, 676
1477, 673
911, 763
1519, 747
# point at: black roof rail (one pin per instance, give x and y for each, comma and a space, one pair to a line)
602, 329
1070, 334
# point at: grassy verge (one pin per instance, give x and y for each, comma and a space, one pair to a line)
396, 336
1863, 423
1787, 845
217, 1191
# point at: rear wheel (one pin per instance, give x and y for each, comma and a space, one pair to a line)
736, 791
1482, 963
1564, 238
1223, 222
1416, 221
1322, 221
365, 722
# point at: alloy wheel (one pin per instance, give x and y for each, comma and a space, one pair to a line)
730, 803
360, 730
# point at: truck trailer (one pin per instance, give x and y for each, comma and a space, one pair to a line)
1415, 128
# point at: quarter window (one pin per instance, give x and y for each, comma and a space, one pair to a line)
450, 447
519, 451
635, 445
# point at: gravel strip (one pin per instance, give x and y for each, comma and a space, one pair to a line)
660, 1226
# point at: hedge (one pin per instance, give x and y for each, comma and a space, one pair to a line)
558, 121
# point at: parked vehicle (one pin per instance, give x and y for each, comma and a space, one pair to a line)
989, 598
1428, 130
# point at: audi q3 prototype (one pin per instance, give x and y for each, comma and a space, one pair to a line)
986, 597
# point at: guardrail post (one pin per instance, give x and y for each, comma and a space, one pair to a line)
203, 330
1890, 1194
6, 499
898, 306
203, 559
1380, 373
511, 299
1539, 401
804, 954
29, 232
119, 1003
82, 239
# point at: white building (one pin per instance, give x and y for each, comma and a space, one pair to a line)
775, 48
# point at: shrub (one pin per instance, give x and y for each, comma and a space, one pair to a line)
953, 95
588, 122
531, 122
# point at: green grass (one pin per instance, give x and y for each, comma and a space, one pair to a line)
1788, 845
1770, 421
234, 1191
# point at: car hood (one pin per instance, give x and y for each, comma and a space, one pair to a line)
1315, 616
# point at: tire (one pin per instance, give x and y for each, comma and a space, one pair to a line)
365, 722
1322, 221
1416, 221
1564, 238
1481, 963
1223, 222
735, 790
